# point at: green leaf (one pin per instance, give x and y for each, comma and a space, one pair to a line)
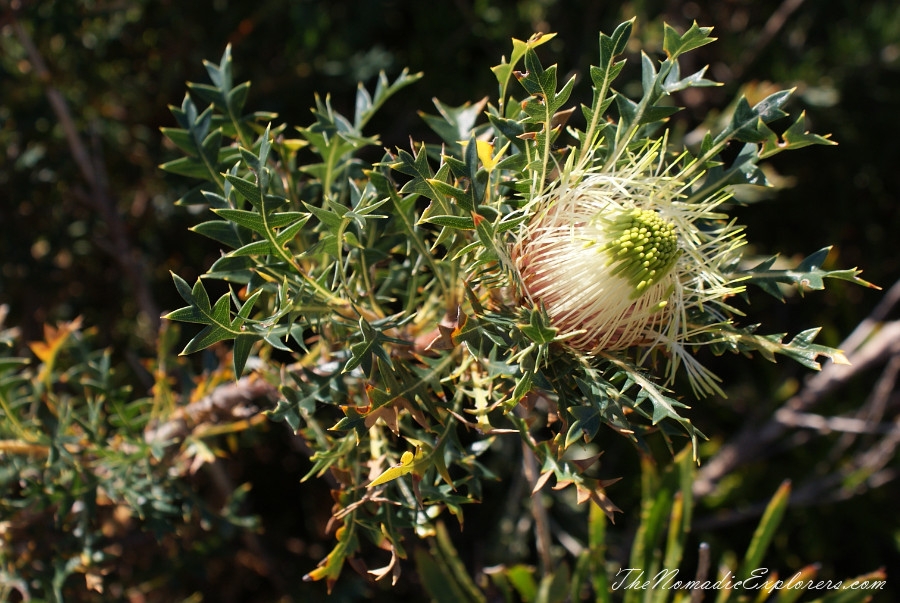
219, 230
332, 217
227, 98
602, 77
675, 44
255, 248
187, 314
196, 139
247, 189
614, 45
540, 83
800, 348
372, 343
554, 587
504, 70
663, 406
219, 327
749, 124
287, 412
765, 531
210, 335
588, 421
674, 82
522, 579
464, 197
366, 105
422, 175
182, 139
807, 275
455, 124
187, 166
335, 140
443, 574
795, 137
257, 223
456, 222
538, 328
241, 351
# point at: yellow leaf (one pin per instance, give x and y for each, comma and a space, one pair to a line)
406, 465
54, 338
486, 154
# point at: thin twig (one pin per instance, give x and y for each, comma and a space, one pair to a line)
538, 511
880, 313
755, 441
825, 425
698, 593
224, 403
876, 405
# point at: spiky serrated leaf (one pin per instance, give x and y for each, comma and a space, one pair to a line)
505, 70
588, 421
795, 137
674, 82
455, 124
675, 44
367, 105
807, 275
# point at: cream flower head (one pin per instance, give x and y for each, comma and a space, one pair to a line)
625, 258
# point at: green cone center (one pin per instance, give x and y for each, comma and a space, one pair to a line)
642, 247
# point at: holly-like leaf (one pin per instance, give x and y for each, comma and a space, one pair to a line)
455, 124
197, 140
540, 83
807, 275
217, 318
422, 178
372, 344
538, 328
367, 105
588, 421
801, 348
674, 82
795, 137
675, 44
504, 71
748, 123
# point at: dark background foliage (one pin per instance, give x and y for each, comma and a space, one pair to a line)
65, 251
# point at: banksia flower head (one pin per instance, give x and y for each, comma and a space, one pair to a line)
627, 258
